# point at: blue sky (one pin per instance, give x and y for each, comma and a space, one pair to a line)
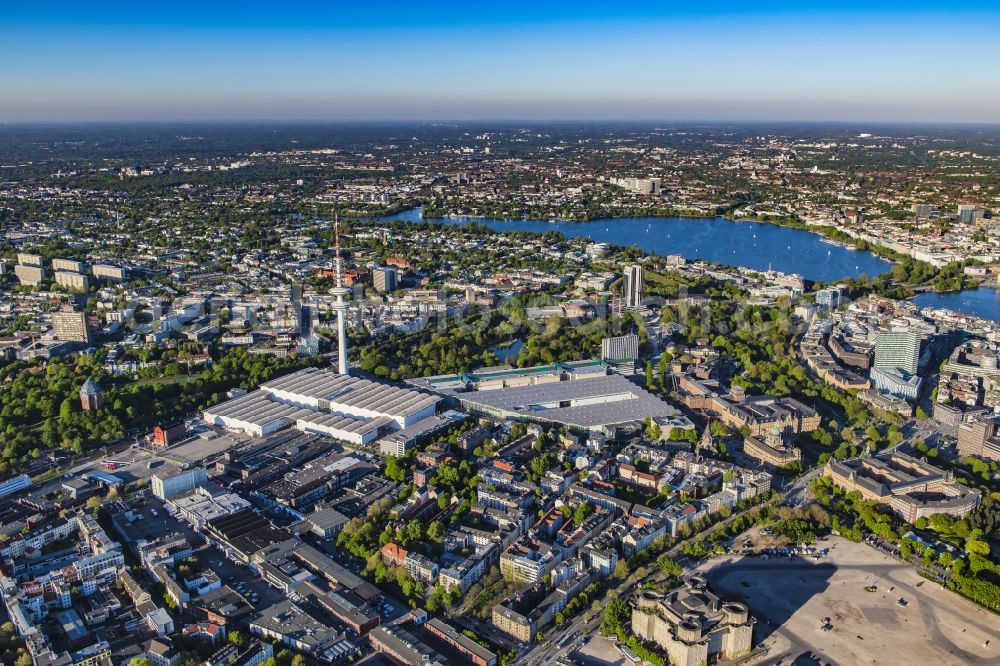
699, 60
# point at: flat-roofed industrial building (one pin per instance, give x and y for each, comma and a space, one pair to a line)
585, 396
320, 401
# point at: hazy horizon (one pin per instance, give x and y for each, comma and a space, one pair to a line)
638, 122
902, 62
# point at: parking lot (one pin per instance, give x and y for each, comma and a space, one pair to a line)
155, 522
234, 574
139, 461
202, 444
239, 577
131, 465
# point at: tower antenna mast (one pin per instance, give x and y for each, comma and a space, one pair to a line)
336, 235
340, 292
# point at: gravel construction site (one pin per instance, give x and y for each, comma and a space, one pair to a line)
818, 611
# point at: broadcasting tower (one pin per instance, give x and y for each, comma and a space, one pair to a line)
340, 306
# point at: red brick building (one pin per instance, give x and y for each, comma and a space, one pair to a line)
398, 262
91, 396
171, 432
393, 555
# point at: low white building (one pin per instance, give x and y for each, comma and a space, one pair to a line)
168, 486
15, 484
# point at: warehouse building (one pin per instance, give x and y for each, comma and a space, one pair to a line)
403, 647
323, 402
293, 626
469, 649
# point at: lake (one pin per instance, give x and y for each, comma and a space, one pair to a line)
508, 352
982, 302
752, 244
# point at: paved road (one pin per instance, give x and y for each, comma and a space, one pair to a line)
550, 651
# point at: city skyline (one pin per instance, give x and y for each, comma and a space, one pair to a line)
897, 62
532, 393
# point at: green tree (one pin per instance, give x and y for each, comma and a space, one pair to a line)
66, 409
622, 570
583, 509
435, 531
414, 530
616, 614
669, 567
393, 470
719, 429
974, 544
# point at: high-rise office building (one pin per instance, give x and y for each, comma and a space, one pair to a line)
70, 325
620, 348
830, 297
621, 352
384, 279
970, 213
633, 286
167, 486
898, 351
979, 437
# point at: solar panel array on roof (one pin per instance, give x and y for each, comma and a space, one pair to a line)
239, 523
